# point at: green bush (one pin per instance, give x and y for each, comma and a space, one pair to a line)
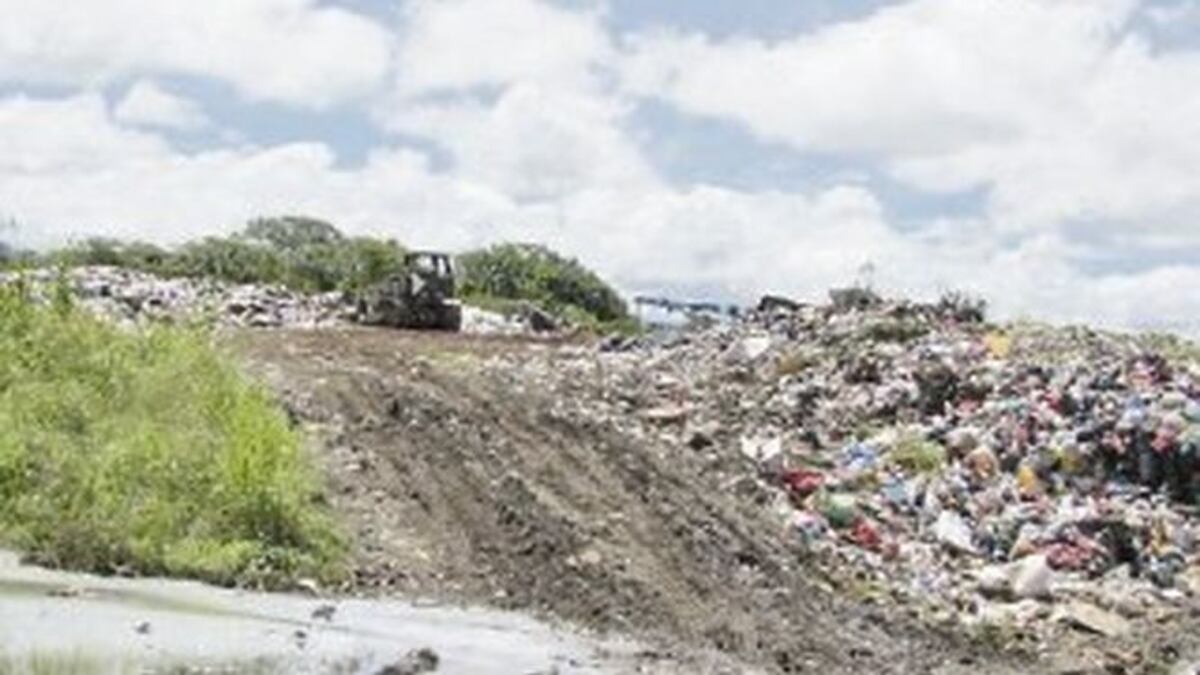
290, 234
539, 275
363, 261
312, 255
231, 259
147, 451
302, 253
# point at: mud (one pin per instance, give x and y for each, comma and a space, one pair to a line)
464, 485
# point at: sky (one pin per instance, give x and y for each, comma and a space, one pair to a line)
1044, 154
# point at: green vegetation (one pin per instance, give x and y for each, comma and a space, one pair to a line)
312, 255
75, 663
302, 253
147, 451
59, 664
533, 273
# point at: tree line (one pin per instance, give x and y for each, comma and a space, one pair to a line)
313, 256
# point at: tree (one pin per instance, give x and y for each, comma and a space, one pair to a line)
229, 259
535, 273
115, 253
363, 261
292, 233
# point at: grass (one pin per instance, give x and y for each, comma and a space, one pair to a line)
76, 663
57, 664
148, 452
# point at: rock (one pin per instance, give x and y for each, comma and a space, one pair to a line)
324, 612
700, 440
995, 581
1094, 620
1032, 578
416, 662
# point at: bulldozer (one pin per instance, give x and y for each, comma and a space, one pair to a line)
421, 296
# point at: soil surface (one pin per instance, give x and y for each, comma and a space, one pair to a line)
460, 484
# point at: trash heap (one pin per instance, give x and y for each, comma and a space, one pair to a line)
128, 297
1026, 476
131, 297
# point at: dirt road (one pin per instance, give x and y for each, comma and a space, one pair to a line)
462, 484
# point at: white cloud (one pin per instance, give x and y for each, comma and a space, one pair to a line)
1051, 105
294, 51
463, 44
49, 139
147, 104
546, 125
533, 142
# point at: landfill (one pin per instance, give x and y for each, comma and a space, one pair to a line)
1032, 477
129, 297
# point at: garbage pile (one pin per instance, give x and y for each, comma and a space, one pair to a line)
131, 297
128, 296
1021, 475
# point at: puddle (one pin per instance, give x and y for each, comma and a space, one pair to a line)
130, 625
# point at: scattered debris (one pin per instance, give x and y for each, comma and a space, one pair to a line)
933, 454
1091, 618
324, 613
130, 297
416, 662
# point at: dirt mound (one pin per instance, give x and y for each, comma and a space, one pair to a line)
466, 486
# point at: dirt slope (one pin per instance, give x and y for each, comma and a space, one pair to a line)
460, 486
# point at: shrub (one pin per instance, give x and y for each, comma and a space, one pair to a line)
147, 451
113, 253
292, 233
363, 261
302, 253
311, 255
537, 274
230, 259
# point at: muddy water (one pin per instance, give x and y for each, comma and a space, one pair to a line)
133, 624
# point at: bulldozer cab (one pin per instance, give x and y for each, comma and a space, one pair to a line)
430, 274
420, 295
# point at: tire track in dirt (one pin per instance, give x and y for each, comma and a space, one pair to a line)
467, 487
